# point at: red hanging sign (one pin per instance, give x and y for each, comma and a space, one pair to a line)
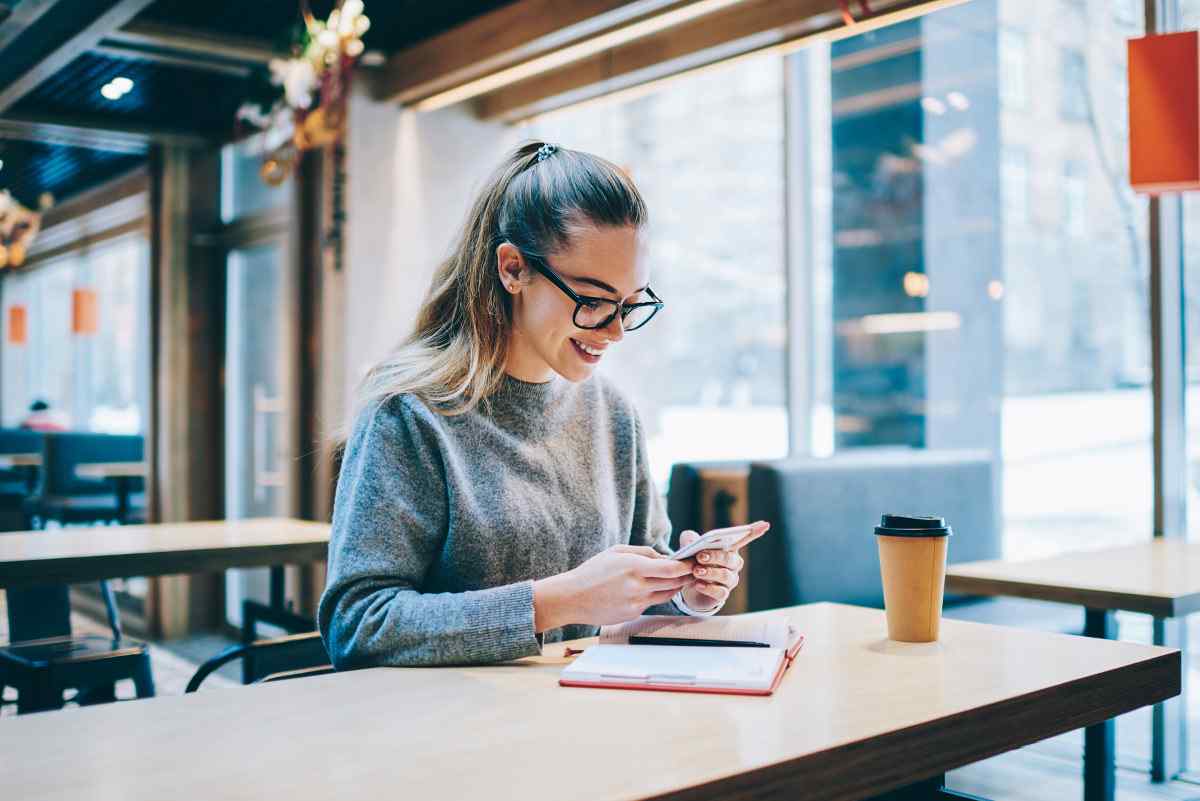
1164, 112
85, 317
18, 325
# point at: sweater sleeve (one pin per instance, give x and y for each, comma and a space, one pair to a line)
389, 523
651, 526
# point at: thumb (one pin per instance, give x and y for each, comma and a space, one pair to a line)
687, 538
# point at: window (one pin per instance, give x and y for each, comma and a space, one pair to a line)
95, 381
1075, 199
1014, 184
243, 191
1013, 74
708, 374
1128, 14
1074, 85
956, 324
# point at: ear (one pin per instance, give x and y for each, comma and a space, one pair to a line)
510, 264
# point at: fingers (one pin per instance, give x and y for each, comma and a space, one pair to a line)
641, 550
687, 538
717, 592
663, 568
716, 575
664, 584
729, 559
661, 597
757, 529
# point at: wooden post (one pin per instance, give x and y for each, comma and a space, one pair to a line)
186, 431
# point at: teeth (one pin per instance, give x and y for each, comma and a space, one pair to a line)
587, 350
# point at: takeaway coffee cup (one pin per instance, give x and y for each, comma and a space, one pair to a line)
912, 561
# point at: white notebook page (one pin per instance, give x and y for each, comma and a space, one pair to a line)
775, 631
685, 665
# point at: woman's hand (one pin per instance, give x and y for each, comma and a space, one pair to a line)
716, 572
613, 586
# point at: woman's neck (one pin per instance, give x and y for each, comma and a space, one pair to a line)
524, 364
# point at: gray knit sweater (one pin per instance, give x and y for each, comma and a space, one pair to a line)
441, 524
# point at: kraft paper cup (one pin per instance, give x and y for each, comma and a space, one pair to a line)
912, 562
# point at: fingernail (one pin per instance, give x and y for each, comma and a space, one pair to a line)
700, 571
703, 556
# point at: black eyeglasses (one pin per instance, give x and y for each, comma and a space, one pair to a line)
592, 312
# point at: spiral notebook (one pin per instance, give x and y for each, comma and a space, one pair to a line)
735, 655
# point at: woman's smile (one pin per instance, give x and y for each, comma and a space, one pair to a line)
589, 353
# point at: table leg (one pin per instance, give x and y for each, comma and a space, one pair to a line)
1100, 740
1169, 728
929, 790
122, 489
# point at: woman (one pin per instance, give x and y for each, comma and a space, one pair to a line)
494, 493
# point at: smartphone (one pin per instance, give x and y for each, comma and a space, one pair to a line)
722, 539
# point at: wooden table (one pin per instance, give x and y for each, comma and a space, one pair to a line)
1158, 577
90, 554
10, 460
856, 716
121, 474
26, 463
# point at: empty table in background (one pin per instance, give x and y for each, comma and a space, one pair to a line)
121, 474
1159, 578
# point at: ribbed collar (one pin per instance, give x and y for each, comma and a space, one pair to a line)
526, 392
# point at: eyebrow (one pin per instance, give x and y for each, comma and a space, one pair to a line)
601, 285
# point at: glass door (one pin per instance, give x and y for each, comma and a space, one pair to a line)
260, 388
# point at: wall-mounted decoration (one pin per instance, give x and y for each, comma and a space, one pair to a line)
85, 312
1164, 112
301, 103
18, 325
18, 227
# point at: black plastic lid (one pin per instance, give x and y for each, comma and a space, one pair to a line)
906, 526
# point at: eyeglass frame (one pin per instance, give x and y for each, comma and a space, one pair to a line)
622, 308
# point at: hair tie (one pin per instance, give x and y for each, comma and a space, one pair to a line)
545, 152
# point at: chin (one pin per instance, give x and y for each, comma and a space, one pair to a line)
576, 373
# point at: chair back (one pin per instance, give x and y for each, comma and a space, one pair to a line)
264, 658
64, 452
685, 497
20, 440
35, 613
823, 514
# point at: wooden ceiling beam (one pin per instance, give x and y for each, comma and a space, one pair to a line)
99, 133
739, 30
116, 50
171, 39
20, 74
16, 18
512, 34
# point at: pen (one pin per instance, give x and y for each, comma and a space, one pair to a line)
640, 640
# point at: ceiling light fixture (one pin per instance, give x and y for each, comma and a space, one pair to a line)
116, 88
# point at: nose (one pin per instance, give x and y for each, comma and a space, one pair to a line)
615, 330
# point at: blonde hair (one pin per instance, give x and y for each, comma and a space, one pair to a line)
455, 356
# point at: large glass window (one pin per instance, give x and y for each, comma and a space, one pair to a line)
708, 374
979, 269
94, 380
988, 263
